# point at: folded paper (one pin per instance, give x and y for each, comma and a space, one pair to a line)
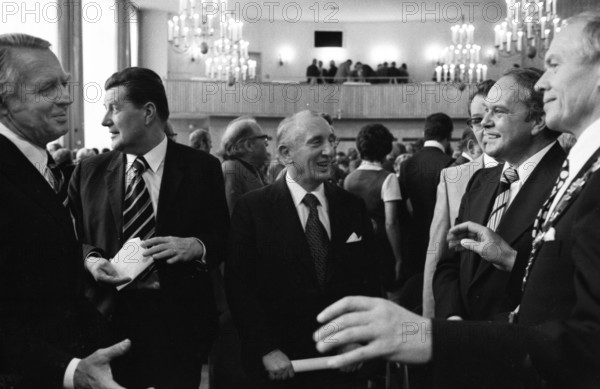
129, 261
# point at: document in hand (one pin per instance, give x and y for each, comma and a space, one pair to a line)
129, 261
312, 364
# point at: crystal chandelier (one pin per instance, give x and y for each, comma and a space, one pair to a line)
460, 62
529, 25
224, 52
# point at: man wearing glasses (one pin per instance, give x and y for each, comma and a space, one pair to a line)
244, 149
450, 190
295, 247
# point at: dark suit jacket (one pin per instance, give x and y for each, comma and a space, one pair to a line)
419, 177
557, 341
467, 286
191, 204
272, 287
240, 178
460, 160
44, 320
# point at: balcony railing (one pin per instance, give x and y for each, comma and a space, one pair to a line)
190, 98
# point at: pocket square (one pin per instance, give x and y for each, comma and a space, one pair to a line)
354, 238
549, 236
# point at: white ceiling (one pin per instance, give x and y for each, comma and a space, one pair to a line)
351, 10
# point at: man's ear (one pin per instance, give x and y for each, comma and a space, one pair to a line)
150, 112
539, 125
284, 154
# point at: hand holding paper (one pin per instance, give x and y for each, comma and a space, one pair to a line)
129, 261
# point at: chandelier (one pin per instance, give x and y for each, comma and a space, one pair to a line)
460, 62
529, 25
221, 47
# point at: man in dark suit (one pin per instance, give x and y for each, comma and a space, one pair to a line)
244, 149
170, 196
45, 323
515, 131
295, 247
419, 177
554, 338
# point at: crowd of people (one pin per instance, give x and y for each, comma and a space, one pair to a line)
385, 73
479, 271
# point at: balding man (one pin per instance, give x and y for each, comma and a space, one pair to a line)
244, 149
553, 340
296, 246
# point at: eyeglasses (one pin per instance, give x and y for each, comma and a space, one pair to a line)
264, 137
474, 122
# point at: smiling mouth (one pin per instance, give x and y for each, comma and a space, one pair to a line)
490, 136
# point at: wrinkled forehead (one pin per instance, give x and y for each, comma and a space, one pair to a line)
35, 65
310, 127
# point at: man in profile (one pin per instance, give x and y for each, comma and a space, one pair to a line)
172, 198
553, 338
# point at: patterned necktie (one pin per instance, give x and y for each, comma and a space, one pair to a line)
316, 236
543, 212
56, 179
138, 214
509, 176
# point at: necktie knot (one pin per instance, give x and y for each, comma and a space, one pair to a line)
510, 175
140, 165
311, 201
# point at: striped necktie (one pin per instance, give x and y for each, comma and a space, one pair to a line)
316, 236
138, 214
509, 176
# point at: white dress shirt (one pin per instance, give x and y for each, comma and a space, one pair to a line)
586, 146
524, 170
434, 143
298, 194
39, 159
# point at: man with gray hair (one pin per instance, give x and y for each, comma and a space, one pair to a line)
200, 140
553, 338
244, 150
45, 325
295, 246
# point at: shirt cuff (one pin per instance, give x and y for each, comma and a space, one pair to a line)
203, 266
68, 380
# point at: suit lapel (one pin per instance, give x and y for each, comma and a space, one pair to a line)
522, 211
173, 173
481, 199
287, 222
25, 176
114, 178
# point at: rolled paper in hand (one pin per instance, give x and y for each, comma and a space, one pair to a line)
311, 364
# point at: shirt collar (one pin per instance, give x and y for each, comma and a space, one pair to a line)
369, 165
434, 143
489, 161
154, 157
526, 168
467, 156
584, 148
299, 192
34, 154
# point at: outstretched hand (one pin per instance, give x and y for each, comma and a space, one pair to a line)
93, 372
382, 328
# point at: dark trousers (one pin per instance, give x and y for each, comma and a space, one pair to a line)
161, 354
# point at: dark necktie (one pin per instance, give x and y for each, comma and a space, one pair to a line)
509, 176
138, 214
56, 179
543, 212
316, 236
